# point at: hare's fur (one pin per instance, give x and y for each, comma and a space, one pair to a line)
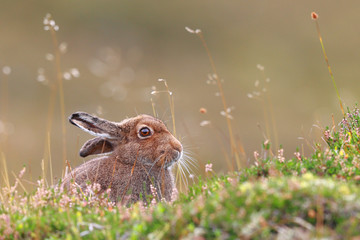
134, 162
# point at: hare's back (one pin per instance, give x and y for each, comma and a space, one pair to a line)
98, 170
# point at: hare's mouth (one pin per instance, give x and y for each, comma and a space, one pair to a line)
167, 160
172, 158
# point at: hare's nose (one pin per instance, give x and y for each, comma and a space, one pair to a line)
177, 155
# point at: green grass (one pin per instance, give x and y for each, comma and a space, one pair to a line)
303, 197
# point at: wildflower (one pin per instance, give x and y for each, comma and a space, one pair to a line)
314, 16
63, 47
231, 180
75, 72
67, 76
280, 155
208, 167
189, 30
153, 190
21, 174
203, 110
174, 195
256, 155
196, 31
6, 70
49, 57
227, 112
49, 23
7, 224
260, 67
41, 76
297, 155
205, 123
191, 176
327, 134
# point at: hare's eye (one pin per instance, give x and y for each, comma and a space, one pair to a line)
145, 132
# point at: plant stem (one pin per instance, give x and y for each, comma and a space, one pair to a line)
61, 92
328, 65
225, 106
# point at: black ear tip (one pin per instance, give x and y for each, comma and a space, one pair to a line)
83, 154
74, 116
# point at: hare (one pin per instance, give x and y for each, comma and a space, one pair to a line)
140, 152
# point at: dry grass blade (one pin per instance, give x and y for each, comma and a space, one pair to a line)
61, 92
234, 150
19, 181
5, 170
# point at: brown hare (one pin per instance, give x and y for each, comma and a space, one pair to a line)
140, 153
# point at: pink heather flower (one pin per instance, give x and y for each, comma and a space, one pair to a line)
208, 167
6, 219
297, 155
153, 191
256, 155
174, 195
281, 155
21, 174
231, 180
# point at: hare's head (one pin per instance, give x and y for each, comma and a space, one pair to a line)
143, 139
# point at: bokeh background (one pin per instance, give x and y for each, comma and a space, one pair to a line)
121, 48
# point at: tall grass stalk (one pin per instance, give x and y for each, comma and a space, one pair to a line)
271, 112
180, 173
234, 150
4, 87
20, 183
61, 92
50, 160
5, 170
153, 107
315, 17
50, 115
172, 106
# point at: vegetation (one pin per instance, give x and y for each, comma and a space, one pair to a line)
295, 198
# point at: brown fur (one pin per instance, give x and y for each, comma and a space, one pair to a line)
134, 162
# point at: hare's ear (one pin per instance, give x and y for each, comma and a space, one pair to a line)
96, 146
96, 126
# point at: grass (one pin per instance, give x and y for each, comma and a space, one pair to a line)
275, 198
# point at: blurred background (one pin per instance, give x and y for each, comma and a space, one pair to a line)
114, 52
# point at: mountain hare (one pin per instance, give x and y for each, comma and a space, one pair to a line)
140, 152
